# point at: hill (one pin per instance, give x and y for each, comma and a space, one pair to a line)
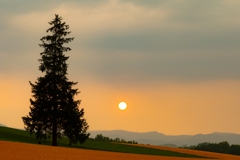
155, 138
11, 134
16, 150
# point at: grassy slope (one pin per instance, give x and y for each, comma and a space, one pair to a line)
10, 134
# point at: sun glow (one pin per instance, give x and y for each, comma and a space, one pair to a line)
122, 106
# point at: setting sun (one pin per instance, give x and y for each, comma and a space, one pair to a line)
122, 106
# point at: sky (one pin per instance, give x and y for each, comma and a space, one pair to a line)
174, 62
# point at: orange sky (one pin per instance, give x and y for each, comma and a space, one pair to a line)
167, 107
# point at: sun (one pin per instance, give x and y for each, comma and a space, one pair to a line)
122, 106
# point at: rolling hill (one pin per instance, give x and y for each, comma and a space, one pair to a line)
16, 135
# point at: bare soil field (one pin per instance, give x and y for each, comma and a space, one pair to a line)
25, 151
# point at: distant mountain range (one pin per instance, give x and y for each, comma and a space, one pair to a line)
155, 138
2, 125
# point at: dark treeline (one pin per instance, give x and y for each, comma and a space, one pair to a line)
100, 137
222, 147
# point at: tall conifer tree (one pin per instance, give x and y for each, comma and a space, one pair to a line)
54, 112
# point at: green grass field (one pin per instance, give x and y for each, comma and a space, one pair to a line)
10, 134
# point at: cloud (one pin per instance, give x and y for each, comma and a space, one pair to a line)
124, 21
183, 40
111, 16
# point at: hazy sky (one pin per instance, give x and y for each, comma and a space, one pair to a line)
176, 63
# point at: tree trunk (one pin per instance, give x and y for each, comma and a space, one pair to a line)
54, 135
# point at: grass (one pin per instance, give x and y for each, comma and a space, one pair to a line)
10, 134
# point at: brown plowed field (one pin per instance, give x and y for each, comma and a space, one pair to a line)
195, 152
24, 151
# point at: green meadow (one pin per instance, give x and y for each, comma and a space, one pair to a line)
16, 135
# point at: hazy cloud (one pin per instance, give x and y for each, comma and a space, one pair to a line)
132, 39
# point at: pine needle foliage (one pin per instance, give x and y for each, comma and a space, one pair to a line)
53, 111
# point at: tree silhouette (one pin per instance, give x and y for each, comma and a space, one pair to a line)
54, 112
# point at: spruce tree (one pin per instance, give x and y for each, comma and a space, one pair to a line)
53, 111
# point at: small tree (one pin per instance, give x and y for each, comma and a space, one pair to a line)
99, 137
54, 112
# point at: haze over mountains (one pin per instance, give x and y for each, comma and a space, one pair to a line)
156, 138
2, 125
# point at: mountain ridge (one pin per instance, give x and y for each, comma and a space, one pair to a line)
2, 125
156, 138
